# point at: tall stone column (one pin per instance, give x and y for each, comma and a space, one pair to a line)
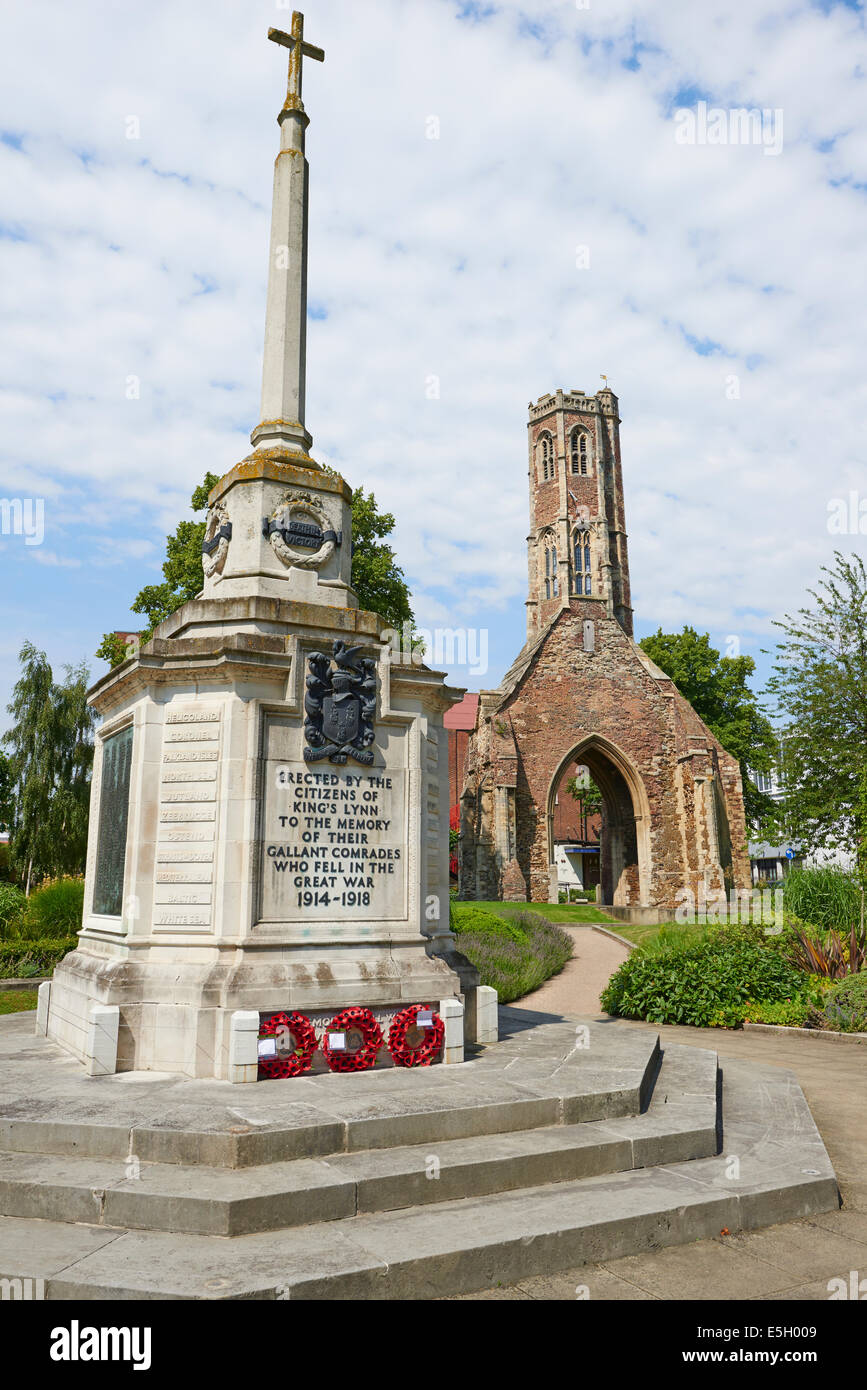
285, 361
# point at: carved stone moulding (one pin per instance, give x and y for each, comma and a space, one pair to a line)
300, 524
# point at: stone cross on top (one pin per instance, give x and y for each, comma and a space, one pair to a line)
284, 372
298, 51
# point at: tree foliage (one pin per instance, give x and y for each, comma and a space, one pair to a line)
820, 686
588, 796
717, 689
5, 793
50, 762
376, 576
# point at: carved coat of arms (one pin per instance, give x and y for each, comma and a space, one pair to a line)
340, 705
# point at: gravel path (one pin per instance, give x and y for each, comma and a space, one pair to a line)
577, 988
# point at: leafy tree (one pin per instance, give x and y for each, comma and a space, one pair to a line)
50, 761
183, 573
717, 689
820, 685
376, 576
5, 793
588, 796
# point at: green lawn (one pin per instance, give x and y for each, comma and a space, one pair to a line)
17, 1001
555, 912
578, 913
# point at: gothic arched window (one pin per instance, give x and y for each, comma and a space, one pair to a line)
580, 453
581, 563
546, 454
551, 580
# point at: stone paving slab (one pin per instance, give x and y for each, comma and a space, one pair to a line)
471, 1244
537, 1076
834, 1083
204, 1199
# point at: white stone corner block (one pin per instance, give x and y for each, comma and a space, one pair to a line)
43, 999
487, 1015
243, 1047
452, 1015
100, 1057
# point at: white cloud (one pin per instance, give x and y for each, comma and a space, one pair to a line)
453, 257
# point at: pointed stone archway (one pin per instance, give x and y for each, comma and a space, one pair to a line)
625, 862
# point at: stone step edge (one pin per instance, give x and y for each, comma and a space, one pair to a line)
345, 1194
356, 1182
688, 1216
222, 1149
464, 1246
813, 1034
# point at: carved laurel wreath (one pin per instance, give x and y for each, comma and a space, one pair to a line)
301, 504
219, 530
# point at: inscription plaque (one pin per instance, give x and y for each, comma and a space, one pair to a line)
113, 817
334, 844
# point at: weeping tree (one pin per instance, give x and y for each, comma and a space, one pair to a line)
49, 765
5, 793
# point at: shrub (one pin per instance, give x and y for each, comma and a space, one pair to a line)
466, 917
828, 897
786, 1013
55, 909
22, 960
704, 982
832, 954
11, 902
519, 959
846, 1004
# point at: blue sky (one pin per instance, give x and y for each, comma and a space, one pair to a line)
724, 294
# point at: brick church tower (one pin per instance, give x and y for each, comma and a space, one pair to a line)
577, 543
582, 690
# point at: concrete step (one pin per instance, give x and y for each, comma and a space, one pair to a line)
681, 1124
773, 1168
543, 1074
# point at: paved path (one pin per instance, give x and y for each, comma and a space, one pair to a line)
577, 988
794, 1261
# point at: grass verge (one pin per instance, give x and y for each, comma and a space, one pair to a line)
17, 1001
575, 913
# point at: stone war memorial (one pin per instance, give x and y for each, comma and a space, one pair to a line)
269, 820
266, 901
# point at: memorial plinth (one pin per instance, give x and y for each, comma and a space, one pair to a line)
227, 872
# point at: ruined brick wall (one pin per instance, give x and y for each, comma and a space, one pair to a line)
665, 778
